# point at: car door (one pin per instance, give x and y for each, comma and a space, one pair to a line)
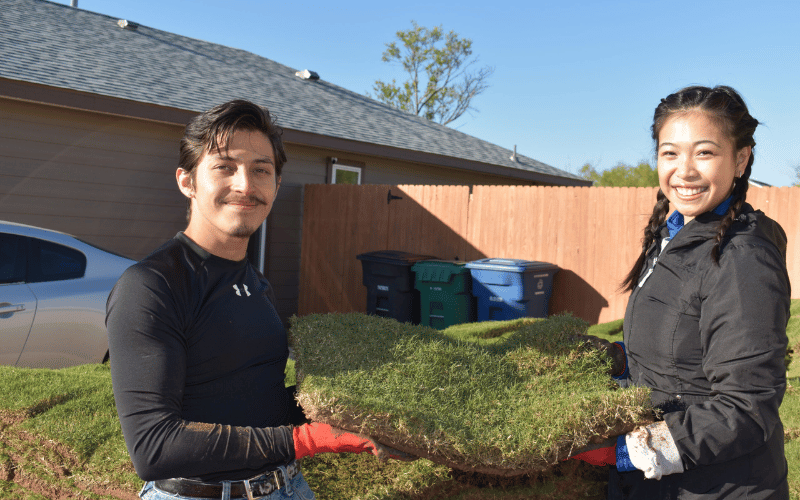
70, 315
17, 301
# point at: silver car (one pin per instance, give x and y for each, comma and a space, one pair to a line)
53, 292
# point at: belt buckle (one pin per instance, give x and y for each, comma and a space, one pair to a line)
248, 489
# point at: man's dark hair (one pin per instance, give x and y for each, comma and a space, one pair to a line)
214, 129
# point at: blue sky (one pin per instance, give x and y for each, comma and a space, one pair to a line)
575, 82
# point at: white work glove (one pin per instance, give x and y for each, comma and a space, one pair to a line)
652, 450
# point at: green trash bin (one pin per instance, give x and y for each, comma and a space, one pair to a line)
445, 291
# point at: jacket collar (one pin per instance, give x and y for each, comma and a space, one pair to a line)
675, 221
703, 227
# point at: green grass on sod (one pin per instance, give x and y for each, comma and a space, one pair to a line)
497, 398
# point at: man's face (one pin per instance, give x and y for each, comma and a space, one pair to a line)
232, 190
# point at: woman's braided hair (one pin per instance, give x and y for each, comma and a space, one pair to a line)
728, 109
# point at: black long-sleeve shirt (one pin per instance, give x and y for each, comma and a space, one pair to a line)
198, 354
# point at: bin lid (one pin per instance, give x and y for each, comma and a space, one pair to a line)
393, 257
434, 262
514, 265
436, 270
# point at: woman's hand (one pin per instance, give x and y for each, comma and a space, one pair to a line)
614, 350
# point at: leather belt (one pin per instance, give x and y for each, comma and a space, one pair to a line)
258, 486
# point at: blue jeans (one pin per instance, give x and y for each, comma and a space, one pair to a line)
299, 491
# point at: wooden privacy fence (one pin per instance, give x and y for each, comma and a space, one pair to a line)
592, 234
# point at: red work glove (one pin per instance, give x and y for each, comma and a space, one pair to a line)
310, 439
604, 454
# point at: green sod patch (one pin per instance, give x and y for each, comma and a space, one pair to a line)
501, 398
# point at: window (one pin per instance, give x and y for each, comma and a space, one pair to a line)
53, 262
345, 174
12, 259
345, 171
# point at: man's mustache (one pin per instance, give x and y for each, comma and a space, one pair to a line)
249, 200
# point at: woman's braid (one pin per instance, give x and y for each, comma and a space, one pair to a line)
658, 217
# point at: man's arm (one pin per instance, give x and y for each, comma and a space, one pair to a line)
148, 368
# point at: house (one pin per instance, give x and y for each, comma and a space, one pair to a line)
92, 109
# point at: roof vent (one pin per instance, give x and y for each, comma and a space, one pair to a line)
307, 75
127, 25
514, 156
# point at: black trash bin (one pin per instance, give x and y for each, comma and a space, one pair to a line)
389, 279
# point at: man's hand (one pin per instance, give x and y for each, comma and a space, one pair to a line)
310, 439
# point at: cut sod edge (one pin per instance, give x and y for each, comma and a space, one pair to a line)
439, 451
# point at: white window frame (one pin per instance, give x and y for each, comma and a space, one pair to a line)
347, 168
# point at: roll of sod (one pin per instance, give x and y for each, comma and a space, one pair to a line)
498, 397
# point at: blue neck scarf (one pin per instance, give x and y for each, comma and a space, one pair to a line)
675, 221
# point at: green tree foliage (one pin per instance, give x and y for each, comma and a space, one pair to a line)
441, 79
642, 175
796, 176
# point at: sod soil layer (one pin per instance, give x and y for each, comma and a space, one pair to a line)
495, 398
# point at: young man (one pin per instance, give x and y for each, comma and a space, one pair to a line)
198, 351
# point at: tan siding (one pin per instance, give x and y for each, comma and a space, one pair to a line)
164, 195
304, 165
43, 205
391, 172
283, 255
109, 134
108, 180
308, 166
80, 171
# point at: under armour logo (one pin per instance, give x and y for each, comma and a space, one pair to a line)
239, 293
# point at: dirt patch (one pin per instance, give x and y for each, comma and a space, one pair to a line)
790, 434
46, 467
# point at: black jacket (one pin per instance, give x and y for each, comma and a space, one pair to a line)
710, 341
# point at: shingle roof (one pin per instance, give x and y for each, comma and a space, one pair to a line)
64, 47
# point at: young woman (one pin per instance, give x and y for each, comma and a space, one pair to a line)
705, 326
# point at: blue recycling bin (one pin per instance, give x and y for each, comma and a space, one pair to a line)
511, 288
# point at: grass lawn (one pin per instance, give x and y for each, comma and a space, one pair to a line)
60, 438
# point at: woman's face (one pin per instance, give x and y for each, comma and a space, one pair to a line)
697, 163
